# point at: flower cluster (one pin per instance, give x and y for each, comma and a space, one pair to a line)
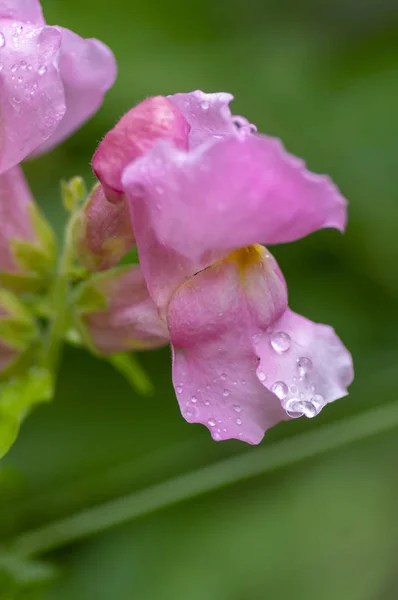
198, 192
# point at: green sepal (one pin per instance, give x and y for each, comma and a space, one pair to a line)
73, 192
31, 258
17, 328
17, 397
44, 233
21, 282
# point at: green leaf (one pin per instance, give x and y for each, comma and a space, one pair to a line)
17, 397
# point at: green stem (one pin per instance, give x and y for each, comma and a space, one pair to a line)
58, 325
204, 480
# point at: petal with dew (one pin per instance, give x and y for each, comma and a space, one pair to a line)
230, 194
304, 363
29, 11
214, 363
136, 132
32, 99
88, 70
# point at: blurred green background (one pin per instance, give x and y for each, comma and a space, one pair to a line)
323, 76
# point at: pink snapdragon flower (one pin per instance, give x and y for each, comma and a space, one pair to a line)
242, 360
51, 81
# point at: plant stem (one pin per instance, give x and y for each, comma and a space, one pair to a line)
56, 333
205, 480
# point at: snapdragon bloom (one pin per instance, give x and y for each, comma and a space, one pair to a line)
200, 211
51, 81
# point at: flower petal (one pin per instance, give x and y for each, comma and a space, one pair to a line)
230, 194
29, 11
211, 326
32, 100
103, 232
15, 197
118, 314
208, 115
304, 363
88, 70
136, 132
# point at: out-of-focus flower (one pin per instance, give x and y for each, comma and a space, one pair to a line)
242, 360
17, 331
51, 81
27, 244
116, 314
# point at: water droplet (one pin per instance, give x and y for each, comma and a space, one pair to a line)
179, 389
318, 401
42, 70
20, 79
23, 64
237, 408
212, 422
262, 376
19, 29
205, 105
223, 376
243, 382
293, 389
235, 382
280, 342
207, 403
15, 100
304, 365
189, 413
239, 421
2, 40
280, 389
194, 399
308, 409
207, 387
1, 67
225, 393
30, 67
14, 68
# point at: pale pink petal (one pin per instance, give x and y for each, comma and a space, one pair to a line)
136, 132
29, 11
88, 70
211, 327
304, 363
103, 232
208, 115
15, 197
32, 100
129, 319
231, 193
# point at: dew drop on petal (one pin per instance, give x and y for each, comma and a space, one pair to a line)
194, 399
14, 68
262, 376
212, 422
205, 105
207, 403
42, 70
179, 389
239, 421
243, 382
225, 393
304, 365
280, 342
318, 401
280, 389
237, 408
2, 40
223, 376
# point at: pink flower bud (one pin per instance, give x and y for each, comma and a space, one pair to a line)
103, 233
115, 313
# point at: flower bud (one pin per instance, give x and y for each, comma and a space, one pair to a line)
137, 131
27, 244
102, 232
17, 331
114, 313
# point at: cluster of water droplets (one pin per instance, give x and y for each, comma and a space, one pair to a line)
201, 403
21, 71
298, 396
